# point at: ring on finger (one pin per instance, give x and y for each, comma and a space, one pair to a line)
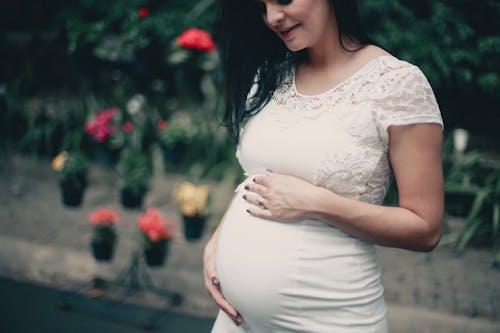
261, 203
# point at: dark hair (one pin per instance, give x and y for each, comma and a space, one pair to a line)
251, 53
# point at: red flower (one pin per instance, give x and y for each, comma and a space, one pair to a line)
161, 125
154, 226
101, 128
104, 216
143, 12
128, 127
196, 39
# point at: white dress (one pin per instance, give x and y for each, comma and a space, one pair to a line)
309, 276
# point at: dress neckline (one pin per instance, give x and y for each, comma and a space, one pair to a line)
341, 83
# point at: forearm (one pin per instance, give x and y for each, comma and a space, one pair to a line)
387, 226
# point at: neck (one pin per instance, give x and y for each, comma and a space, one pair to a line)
328, 51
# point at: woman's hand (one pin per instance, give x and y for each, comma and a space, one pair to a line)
280, 197
212, 283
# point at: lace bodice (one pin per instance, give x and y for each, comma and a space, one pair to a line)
338, 139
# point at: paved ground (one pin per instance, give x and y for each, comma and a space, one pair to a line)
32, 308
45, 243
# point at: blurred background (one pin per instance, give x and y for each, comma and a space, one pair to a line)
114, 105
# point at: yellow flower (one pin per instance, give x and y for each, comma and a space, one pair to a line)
192, 200
59, 160
188, 209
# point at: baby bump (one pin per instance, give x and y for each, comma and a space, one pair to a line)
281, 273
256, 261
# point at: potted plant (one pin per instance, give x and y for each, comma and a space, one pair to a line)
156, 234
192, 202
193, 54
104, 236
175, 135
104, 129
135, 170
72, 168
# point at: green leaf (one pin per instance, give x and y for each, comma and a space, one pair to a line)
495, 219
473, 221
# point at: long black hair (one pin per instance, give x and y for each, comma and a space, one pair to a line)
251, 53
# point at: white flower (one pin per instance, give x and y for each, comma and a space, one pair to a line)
135, 104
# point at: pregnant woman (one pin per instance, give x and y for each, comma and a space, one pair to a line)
322, 118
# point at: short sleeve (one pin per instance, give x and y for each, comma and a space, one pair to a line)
406, 98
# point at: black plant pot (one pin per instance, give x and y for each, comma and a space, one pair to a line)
103, 250
72, 193
156, 253
194, 226
175, 154
131, 199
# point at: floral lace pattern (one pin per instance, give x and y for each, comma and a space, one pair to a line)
338, 139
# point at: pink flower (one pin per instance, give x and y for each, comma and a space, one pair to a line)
161, 125
101, 128
128, 127
143, 12
197, 39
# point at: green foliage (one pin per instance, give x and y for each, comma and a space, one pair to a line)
118, 28
455, 43
470, 178
180, 129
72, 168
135, 168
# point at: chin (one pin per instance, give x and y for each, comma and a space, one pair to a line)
294, 48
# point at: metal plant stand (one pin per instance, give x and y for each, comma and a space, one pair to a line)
134, 278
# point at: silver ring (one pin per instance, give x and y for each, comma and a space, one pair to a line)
261, 202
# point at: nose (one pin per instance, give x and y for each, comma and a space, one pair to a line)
274, 15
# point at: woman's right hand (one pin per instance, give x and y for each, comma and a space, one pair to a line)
212, 283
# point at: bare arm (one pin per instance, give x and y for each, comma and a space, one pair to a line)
415, 156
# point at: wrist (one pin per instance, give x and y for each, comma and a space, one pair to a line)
315, 203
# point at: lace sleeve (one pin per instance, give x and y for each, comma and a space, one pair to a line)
407, 99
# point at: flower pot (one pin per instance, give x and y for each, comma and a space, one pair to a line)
193, 226
103, 250
174, 155
72, 193
131, 199
156, 253
106, 156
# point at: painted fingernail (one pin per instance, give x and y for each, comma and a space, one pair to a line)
253, 179
244, 196
246, 187
248, 211
214, 281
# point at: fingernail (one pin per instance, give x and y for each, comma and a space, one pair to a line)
253, 179
248, 211
269, 170
246, 187
214, 280
244, 196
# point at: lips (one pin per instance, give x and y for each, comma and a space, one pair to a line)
287, 33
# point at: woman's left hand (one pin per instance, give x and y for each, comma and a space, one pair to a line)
280, 197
